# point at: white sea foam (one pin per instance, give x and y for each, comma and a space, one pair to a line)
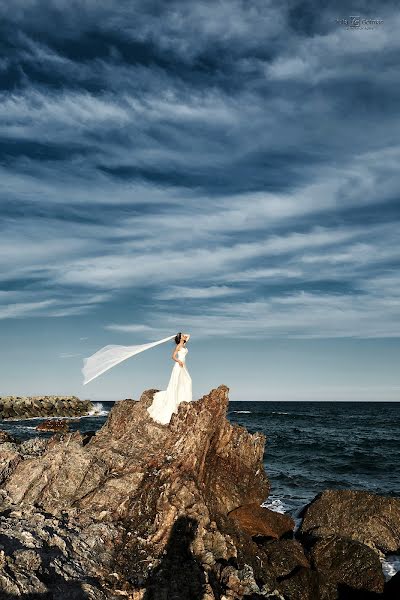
243, 411
98, 410
275, 504
390, 565
279, 505
277, 412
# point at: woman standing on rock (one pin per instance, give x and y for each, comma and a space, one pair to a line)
164, 402
179, 387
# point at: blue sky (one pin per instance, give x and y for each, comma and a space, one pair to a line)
228, 169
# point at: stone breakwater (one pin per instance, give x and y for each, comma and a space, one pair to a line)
27, 407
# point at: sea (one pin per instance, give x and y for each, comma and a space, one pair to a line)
310, 446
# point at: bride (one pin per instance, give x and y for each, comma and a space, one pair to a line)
179, 387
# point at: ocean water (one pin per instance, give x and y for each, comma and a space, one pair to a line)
310, 446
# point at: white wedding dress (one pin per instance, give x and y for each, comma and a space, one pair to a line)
179, 390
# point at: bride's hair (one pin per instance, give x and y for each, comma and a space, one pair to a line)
178, 338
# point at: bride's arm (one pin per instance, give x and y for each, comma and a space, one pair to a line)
187, 336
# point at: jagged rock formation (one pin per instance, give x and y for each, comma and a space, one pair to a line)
161, 512
27, 407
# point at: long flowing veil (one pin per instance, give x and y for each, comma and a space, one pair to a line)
111, 355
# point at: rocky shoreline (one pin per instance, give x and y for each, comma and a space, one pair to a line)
172, 512
28, 407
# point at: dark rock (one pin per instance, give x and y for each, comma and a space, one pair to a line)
369, 518
6, 437
346, 565
392, 588
285, 557
302, 584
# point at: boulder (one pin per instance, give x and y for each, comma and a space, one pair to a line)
285, 557
259, 521
346, 567
360, 515
302, 584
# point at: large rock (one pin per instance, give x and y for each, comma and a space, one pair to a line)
169, 489
346, 566
259, 521
369, 518
285, 557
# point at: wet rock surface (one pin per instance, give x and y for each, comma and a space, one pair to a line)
169, 512
27, 407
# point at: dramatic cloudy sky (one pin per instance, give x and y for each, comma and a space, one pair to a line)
227, 168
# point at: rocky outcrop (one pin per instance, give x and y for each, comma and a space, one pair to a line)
162, 512
27, 407
168, 488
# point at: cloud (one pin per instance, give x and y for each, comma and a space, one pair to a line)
125, 269
297, 315
199, 293
131, 328
24, 309
336, 54
43, 303
231, 164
